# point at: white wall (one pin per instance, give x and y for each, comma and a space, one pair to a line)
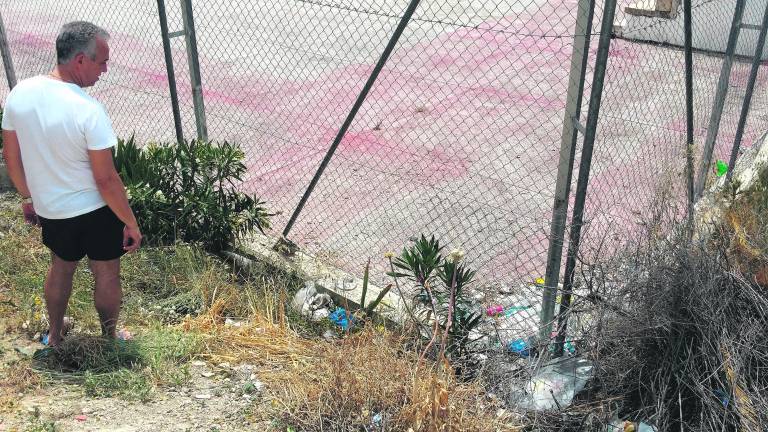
711, 25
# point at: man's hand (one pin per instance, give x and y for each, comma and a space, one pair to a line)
30, 216
131, 238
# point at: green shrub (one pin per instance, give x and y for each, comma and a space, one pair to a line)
442, 282
187, 192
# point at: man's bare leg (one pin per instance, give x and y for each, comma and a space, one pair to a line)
58, 288
107, 294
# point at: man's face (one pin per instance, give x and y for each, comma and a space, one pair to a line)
91, 69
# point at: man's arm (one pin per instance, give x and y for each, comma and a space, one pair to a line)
113, 191
12, 156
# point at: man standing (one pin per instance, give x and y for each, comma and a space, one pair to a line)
57, 148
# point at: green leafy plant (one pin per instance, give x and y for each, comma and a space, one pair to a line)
368, 310
186, 191
442, 283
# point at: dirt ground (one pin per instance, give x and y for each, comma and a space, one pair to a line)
214, 399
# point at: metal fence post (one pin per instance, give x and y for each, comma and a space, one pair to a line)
169, 69
601, 63
5, 51
569, 138
355, 108
717, 108
748, 95
194, 69
688, 29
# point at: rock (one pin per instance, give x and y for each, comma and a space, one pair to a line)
198, 363
207, 374
506, 289
259, 385
203, 396
229, 322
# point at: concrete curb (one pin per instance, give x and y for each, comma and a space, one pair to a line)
343, 287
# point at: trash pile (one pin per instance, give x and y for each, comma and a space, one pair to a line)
316, 307
312, 305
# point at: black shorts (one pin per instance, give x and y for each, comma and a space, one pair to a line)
98, 234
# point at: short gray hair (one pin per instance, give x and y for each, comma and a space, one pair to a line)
78, 37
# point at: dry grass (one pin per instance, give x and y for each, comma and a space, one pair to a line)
686, 349
368, 374
358, 381
259, 341
341, 385
16, 378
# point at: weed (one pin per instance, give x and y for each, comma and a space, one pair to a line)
37, 424
164, 352
442, 283
124, 383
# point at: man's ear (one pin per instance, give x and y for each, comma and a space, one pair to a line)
79, 58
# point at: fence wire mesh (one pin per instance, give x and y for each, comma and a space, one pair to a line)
641, 137
460, 135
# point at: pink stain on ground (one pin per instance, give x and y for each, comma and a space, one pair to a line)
33, 41
424, 128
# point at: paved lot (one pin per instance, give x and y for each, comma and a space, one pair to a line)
459, 137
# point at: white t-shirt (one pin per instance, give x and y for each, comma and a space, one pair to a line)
56, 124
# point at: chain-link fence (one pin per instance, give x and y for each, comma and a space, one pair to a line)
460, 135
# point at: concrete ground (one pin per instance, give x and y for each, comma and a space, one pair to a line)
458, 138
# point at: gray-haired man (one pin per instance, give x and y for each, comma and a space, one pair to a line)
57, 147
